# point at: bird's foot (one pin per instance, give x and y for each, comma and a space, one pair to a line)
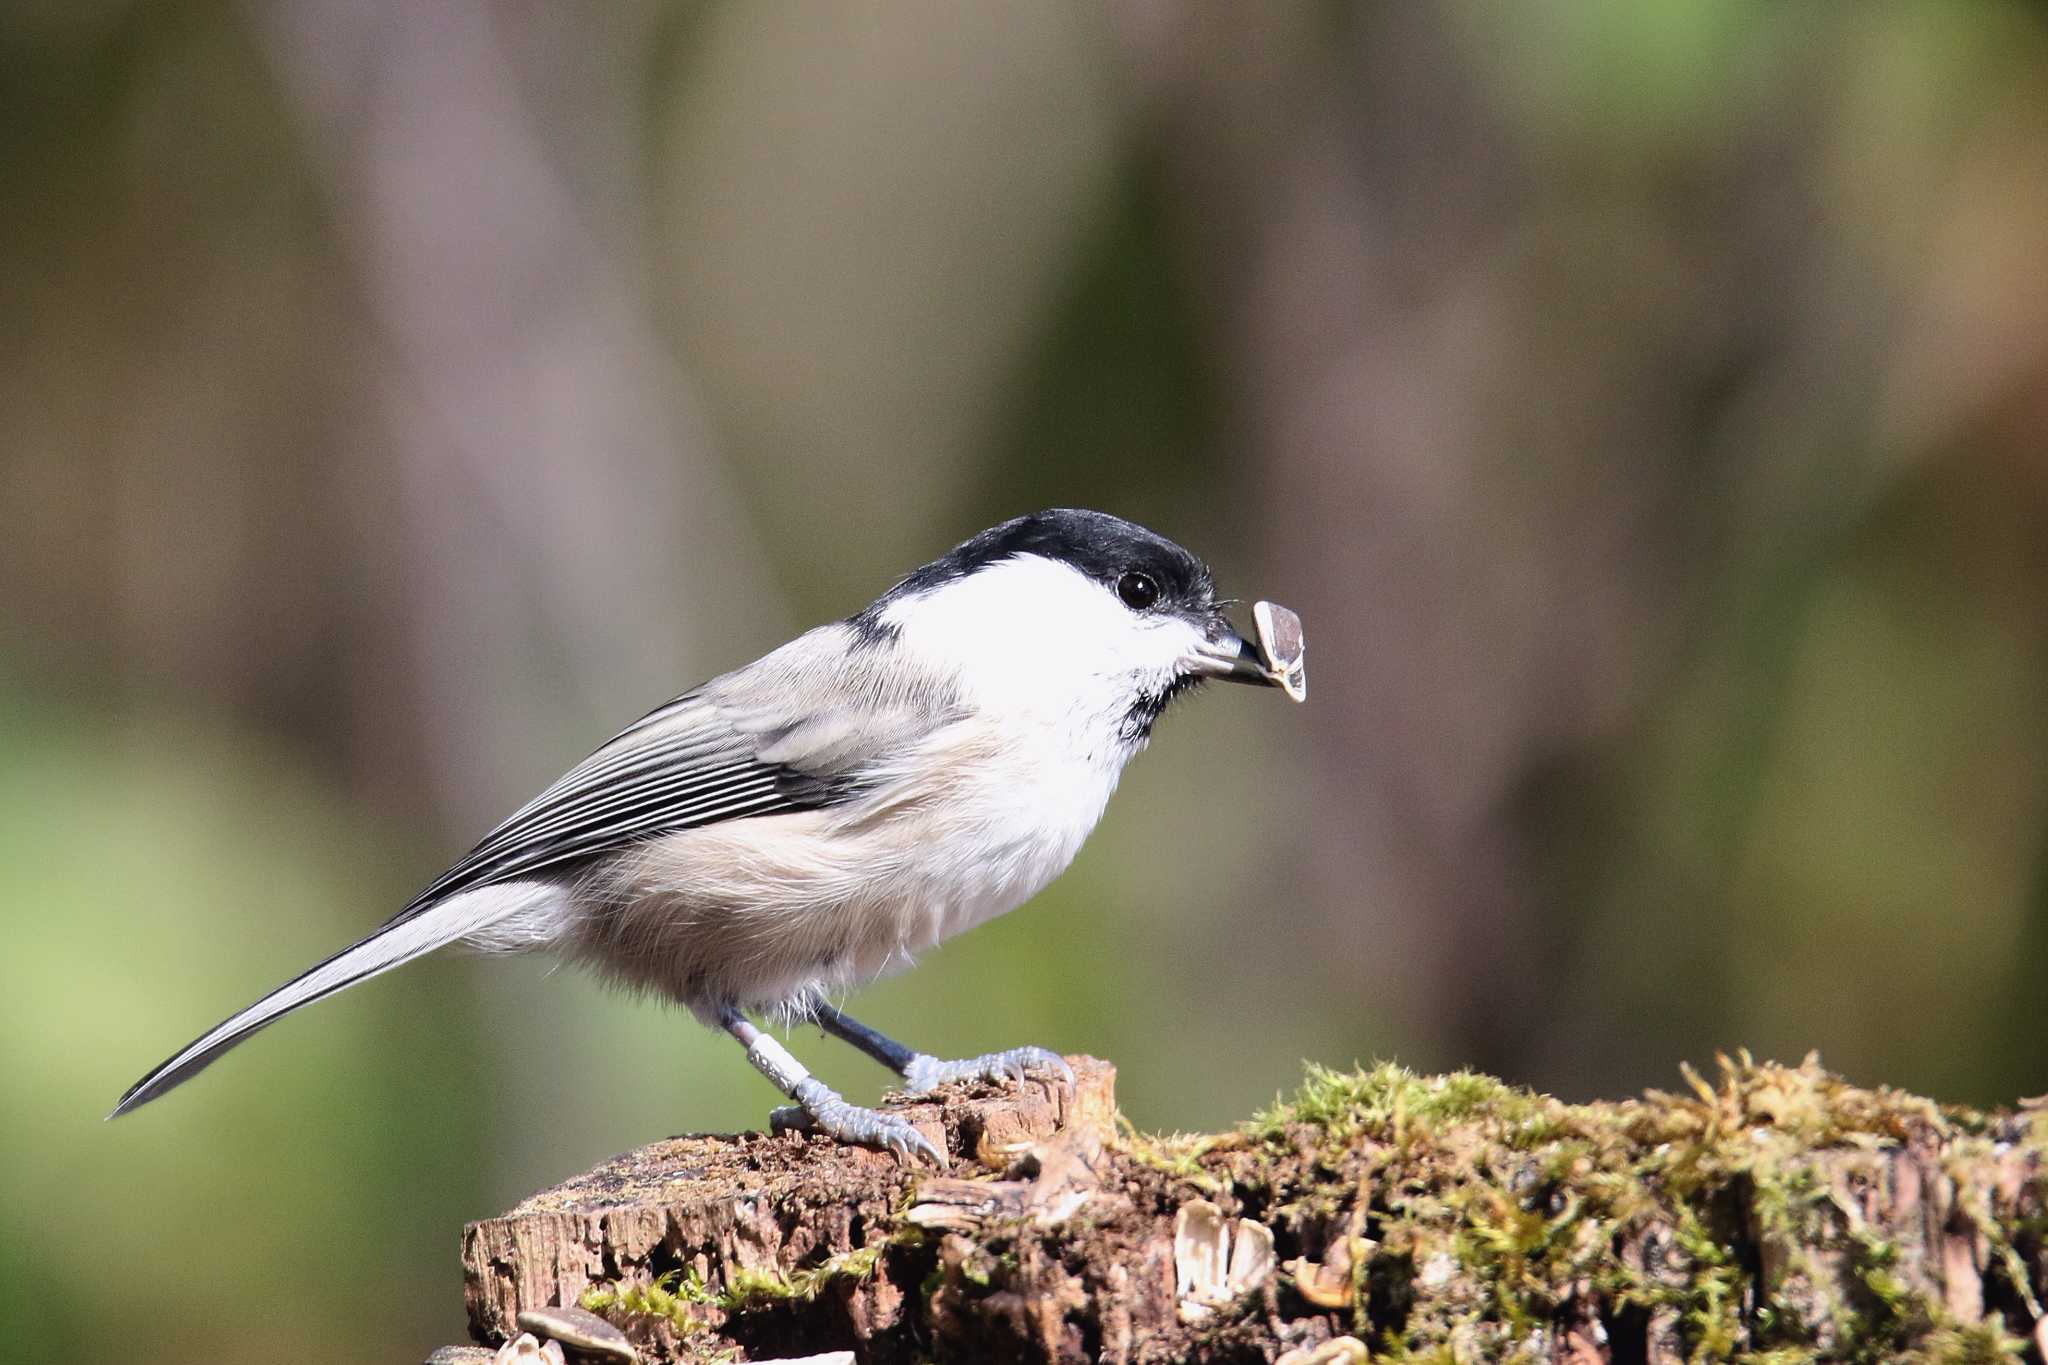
821, 1109
929, 1073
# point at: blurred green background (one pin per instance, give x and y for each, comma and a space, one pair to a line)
1644, 405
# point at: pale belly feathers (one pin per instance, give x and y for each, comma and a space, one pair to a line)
777, 912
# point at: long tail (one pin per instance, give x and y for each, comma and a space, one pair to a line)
398, 942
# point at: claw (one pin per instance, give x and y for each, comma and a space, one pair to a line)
822, 1109
929, 1073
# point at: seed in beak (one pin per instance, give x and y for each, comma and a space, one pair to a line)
1281, 645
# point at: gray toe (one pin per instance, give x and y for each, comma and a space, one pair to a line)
826, 1112
929, 1073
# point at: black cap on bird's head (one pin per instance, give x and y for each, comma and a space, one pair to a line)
1106, 548
1153, 577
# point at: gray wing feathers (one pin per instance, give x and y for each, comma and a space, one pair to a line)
686, 769
828, 710
806, 726
797, 729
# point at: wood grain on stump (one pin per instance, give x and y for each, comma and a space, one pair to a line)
1778, 1209
722, 1206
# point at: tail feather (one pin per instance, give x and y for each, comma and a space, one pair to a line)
396, 943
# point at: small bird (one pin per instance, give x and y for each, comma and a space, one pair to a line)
813, 820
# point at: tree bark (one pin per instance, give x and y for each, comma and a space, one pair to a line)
1452, 1218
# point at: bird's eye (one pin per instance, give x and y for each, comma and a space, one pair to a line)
1138, 590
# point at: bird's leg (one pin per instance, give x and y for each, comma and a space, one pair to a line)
820, 1103
921, 1072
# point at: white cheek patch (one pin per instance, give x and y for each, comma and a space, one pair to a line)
1034, 634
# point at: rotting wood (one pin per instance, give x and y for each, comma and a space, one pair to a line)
726, 1208
1776, 1209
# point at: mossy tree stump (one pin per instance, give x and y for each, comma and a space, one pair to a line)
1777, 1214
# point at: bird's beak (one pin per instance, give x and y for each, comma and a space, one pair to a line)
1228, 655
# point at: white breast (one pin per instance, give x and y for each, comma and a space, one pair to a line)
1000, 832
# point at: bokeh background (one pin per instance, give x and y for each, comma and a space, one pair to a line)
1643, 404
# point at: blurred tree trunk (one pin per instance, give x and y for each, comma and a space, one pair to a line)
1584, 440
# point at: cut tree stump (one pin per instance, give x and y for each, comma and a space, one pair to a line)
1452, 1218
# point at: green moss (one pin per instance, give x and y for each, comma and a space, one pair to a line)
745, 1288
672, 1297
1982, 1344
1387, 1099
1491, 1207
1178, 1155
676, 1295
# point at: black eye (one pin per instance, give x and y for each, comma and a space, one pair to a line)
1138, 590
